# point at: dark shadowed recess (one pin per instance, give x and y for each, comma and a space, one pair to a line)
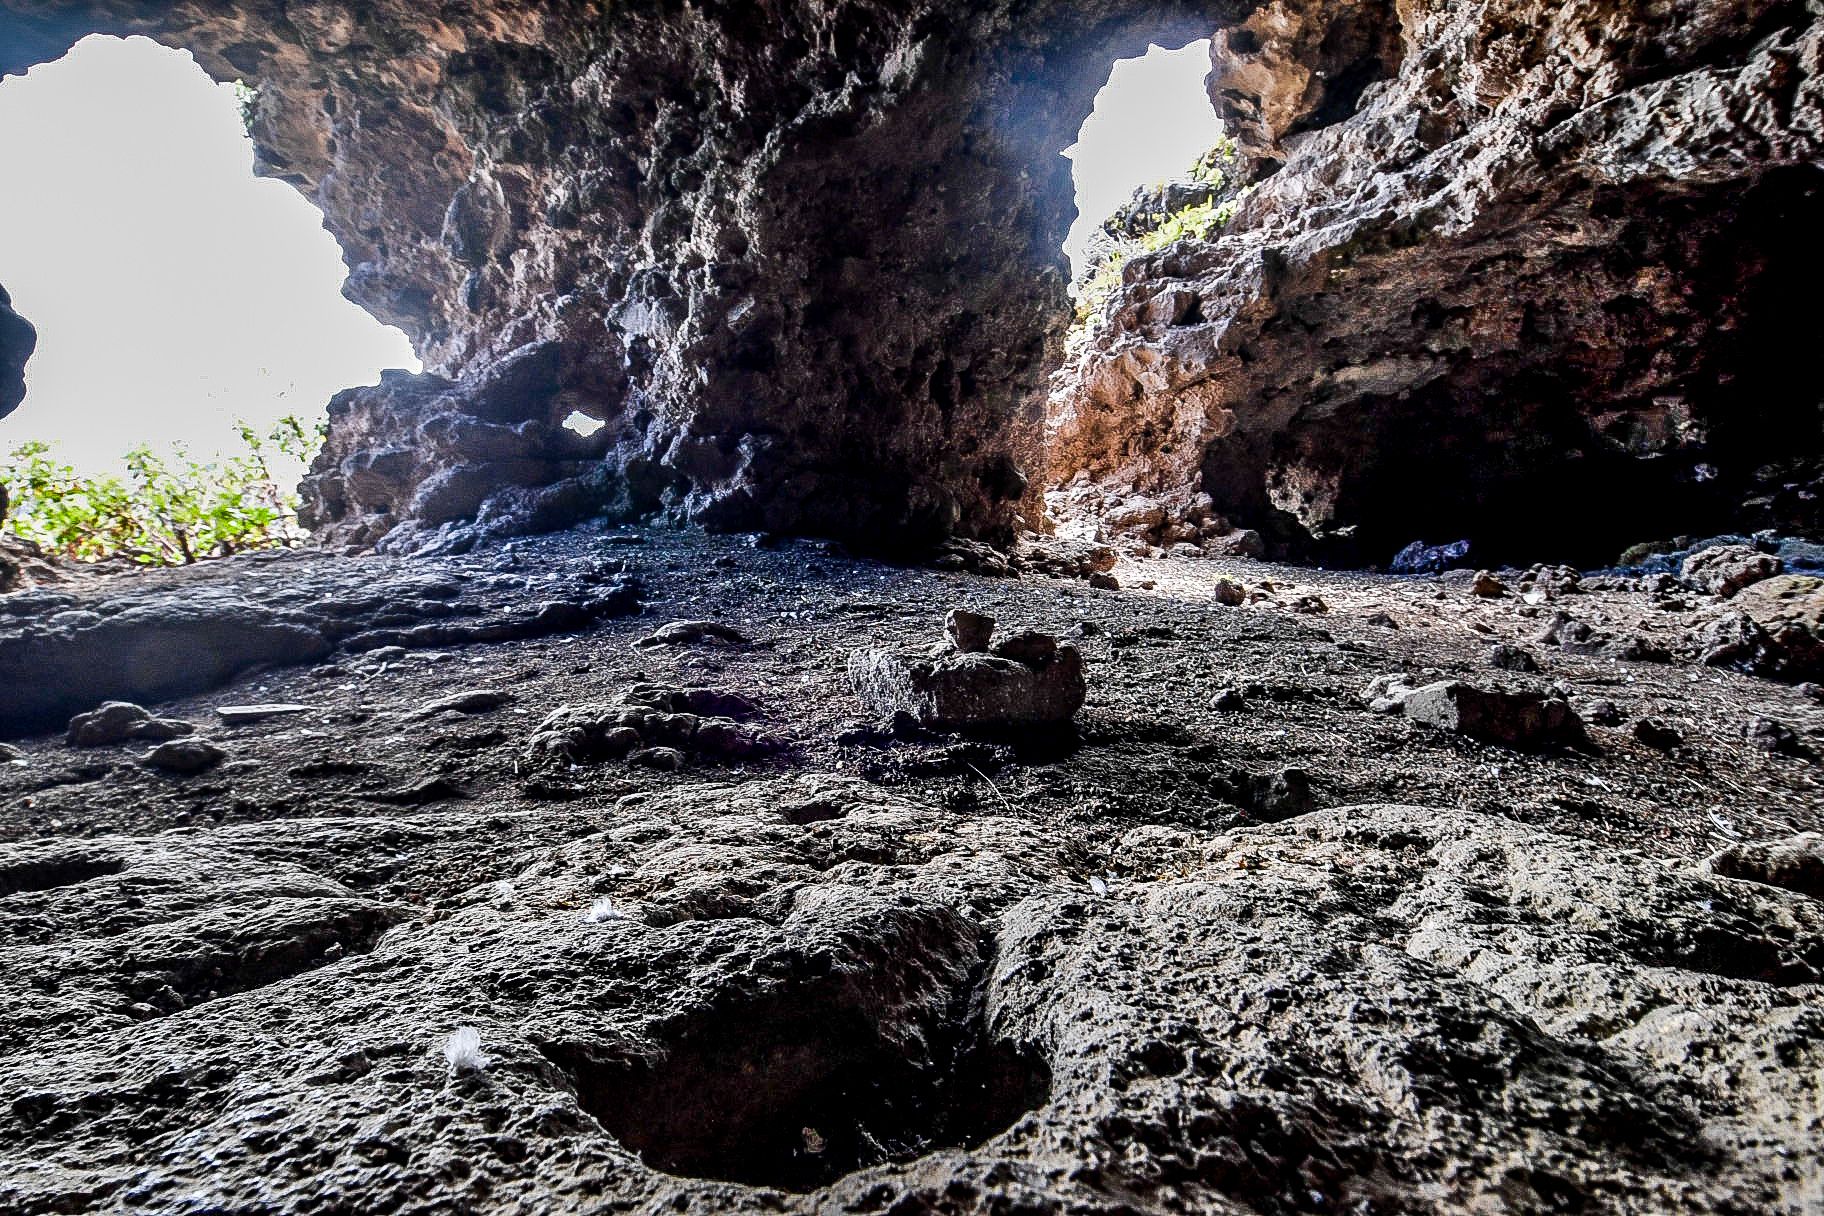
799, 1086
1565, 458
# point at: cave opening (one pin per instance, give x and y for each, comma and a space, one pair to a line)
1150, 123
175, 292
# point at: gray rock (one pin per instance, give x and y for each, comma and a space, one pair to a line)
689, 633
1657, 733
1509, 657
970, 691
244, 715
968, 631
111, 722
191, 755
469, 701
1725, 569
1522, 720
1385, 1006
1795, 863
1772, 735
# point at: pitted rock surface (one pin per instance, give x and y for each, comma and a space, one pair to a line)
1414, 1009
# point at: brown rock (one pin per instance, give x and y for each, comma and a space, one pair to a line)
1726, 569
1522, 720
968, 631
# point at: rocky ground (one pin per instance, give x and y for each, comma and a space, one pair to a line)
1274, 927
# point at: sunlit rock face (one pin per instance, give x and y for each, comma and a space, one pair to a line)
801, 257
1532, 273
17, 339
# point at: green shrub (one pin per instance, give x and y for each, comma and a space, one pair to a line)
166, 511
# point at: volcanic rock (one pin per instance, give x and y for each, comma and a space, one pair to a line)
1030, 680
1795, 863
968, 631
184, 756
1726, 569
1513, 719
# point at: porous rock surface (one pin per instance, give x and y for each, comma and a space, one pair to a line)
1508, 270
885, 1006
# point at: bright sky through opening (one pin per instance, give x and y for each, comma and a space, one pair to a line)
1150, 122
173, 291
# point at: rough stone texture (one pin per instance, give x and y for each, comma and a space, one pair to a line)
1411, 1009
1035, 682
17, 340
1726, 569
1796, 863
1528, 272
1773, 628
185, 631
801, 257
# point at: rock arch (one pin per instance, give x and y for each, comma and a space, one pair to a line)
801, 255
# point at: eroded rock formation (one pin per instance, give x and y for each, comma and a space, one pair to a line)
1529, 272
1509, 269
800, 256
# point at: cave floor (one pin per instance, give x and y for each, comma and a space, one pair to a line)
1150, 749
880, 974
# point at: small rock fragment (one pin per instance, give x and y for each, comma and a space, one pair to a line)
1029, 647
158, 730
1772, 735
685, 633
1487, 585
1509, 657
111, 722
469, 701
663, 759
1243, 542
1602, 711
1228, 700
1104, 581
1229, 592
1514, 719
968, 631
1657, 732
240, 715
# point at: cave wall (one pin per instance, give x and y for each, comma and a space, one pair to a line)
1540, 274
800, 256
1507, 266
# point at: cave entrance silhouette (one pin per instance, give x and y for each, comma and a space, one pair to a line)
173, 290
1151, 120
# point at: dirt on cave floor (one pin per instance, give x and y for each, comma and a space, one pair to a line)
1149, 749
